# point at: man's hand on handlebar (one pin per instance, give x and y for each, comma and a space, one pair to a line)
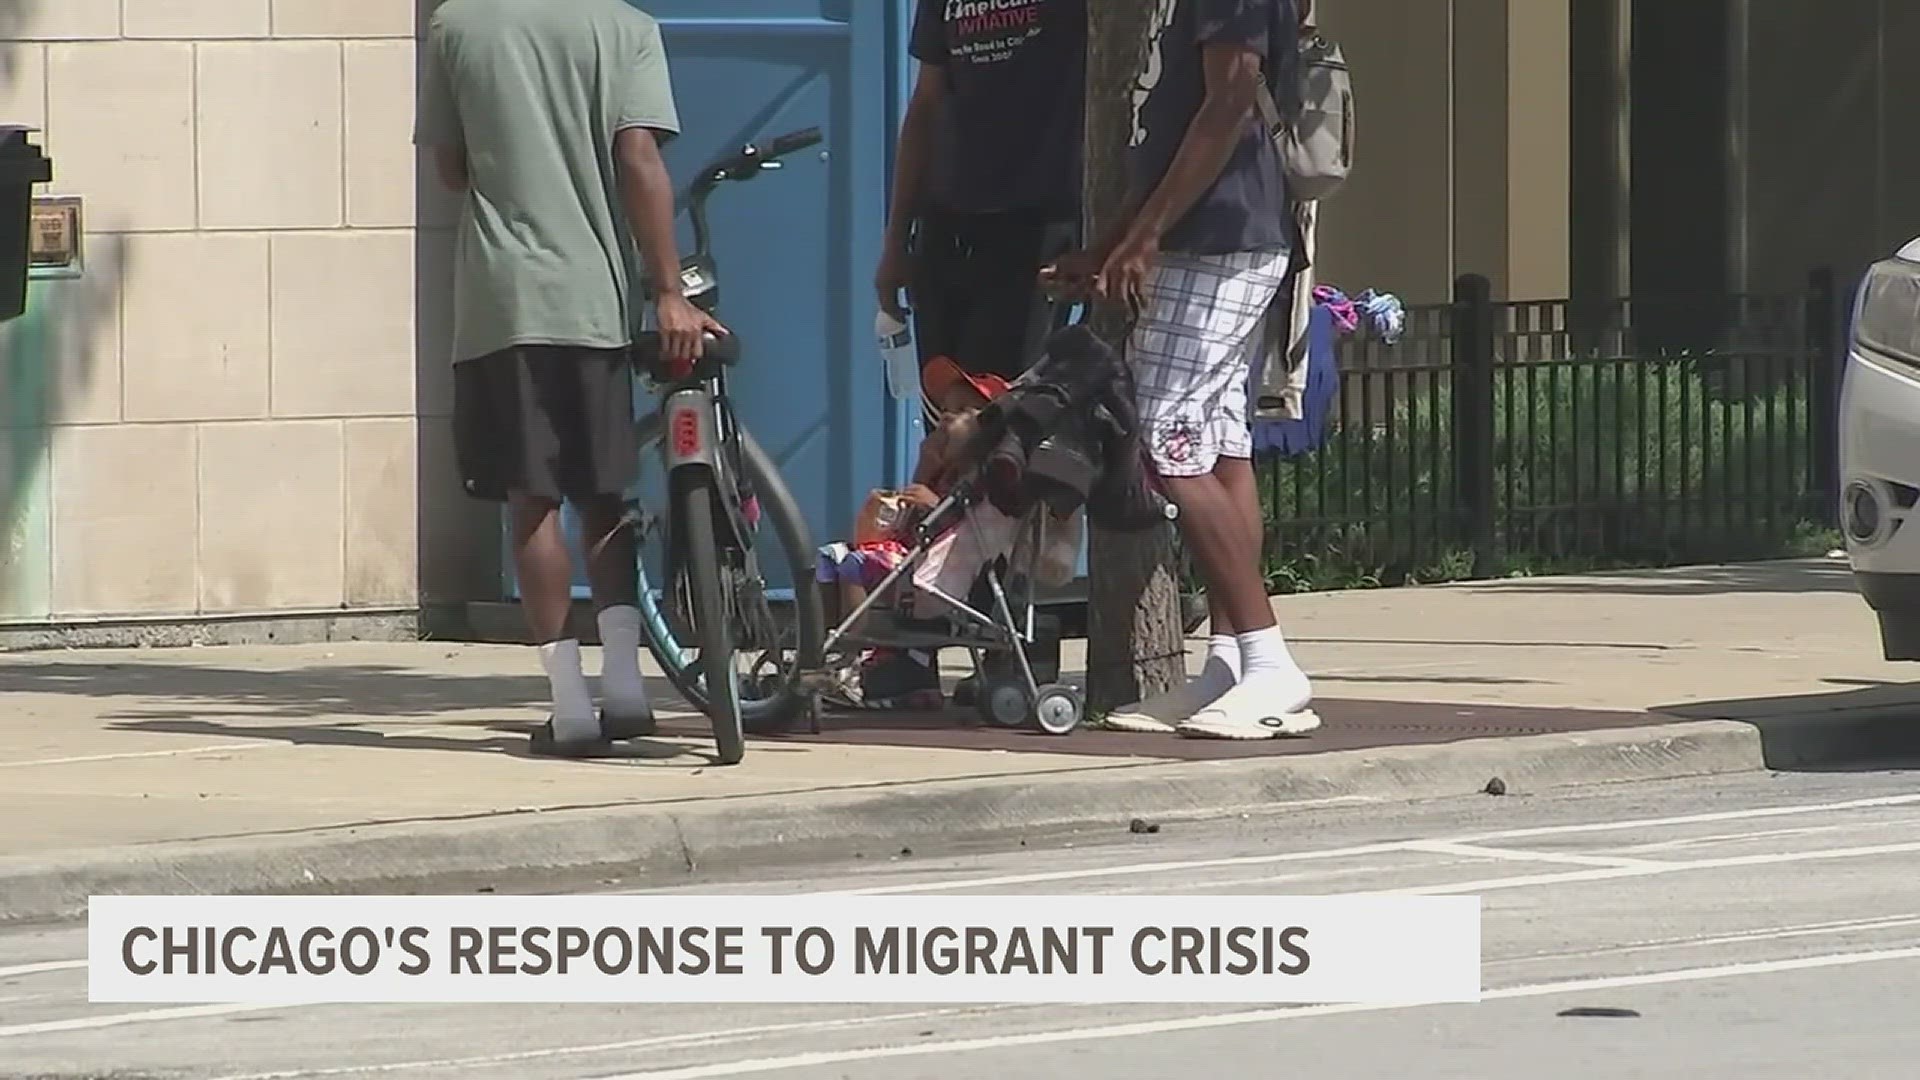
1073, 276
683, 328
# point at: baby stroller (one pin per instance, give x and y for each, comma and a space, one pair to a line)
1062, 443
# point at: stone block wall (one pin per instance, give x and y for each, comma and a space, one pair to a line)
224, 414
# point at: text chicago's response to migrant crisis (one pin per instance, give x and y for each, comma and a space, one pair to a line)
717, 950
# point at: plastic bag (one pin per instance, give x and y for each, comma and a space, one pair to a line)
881, 517
1056, 557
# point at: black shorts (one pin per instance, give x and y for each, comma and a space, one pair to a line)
549, 421
976, 289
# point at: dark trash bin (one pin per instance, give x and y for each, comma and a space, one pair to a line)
22, 165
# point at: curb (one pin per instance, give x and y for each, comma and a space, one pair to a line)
653, 844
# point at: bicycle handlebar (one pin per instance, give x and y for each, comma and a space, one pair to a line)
795, 142
745, 164
750, 159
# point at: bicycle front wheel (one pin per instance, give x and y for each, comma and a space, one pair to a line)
776, 656
712, 615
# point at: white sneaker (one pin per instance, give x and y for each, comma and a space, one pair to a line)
1252, 713
1216, 725
1160, 715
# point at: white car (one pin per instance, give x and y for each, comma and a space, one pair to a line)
1880, 449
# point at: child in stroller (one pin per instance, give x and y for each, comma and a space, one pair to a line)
883, 531
995, 510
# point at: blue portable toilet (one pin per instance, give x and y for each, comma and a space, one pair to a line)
796, 248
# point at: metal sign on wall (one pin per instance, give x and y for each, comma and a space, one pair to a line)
55, 237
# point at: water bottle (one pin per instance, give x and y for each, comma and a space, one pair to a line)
903, 362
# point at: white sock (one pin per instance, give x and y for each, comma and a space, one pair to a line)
1271, 672
622, 687
573, 717
1224, 650
1264, 652
1271, 682
1217, 676
1222, 669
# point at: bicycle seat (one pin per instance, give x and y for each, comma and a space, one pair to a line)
719, 352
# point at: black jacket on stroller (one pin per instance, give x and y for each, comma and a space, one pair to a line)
1067, 435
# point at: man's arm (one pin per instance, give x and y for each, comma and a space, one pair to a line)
648, 196
646, 193
914, 159
914, 156
1234, 75
1235, 37
648, 117
1233, 41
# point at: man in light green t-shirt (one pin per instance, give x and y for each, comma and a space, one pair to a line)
548, 116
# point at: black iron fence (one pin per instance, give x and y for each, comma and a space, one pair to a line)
1498, 436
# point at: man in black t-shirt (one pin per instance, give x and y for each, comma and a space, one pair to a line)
1202, 257
986, 191
988, 181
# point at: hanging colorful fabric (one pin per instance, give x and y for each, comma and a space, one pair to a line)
1291, 438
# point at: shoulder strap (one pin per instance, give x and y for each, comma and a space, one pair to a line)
1269, 109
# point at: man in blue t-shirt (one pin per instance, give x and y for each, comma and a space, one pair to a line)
1202, 257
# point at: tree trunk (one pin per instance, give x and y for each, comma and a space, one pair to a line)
1135, 643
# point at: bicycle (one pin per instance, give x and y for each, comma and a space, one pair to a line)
721, 486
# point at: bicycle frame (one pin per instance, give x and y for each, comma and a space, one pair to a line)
699, 429
698, 434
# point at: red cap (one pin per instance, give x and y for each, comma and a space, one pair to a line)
942, 373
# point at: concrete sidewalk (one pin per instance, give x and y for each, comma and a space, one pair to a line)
348, 766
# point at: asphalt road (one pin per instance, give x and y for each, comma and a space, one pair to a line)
1760, 928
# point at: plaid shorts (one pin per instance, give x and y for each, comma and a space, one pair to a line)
1192, 353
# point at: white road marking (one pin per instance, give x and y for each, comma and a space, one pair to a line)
656, 1042
1649, 870
1136, 869
1128, 870
1324, 874
146, 1016
1241, 1019
36, 969
1517, 881
182, 752
1757, 834
1755, 814
1702, 941
1475, 851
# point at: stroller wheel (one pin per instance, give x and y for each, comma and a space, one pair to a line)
1004, 704
1058, 710
966, 693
